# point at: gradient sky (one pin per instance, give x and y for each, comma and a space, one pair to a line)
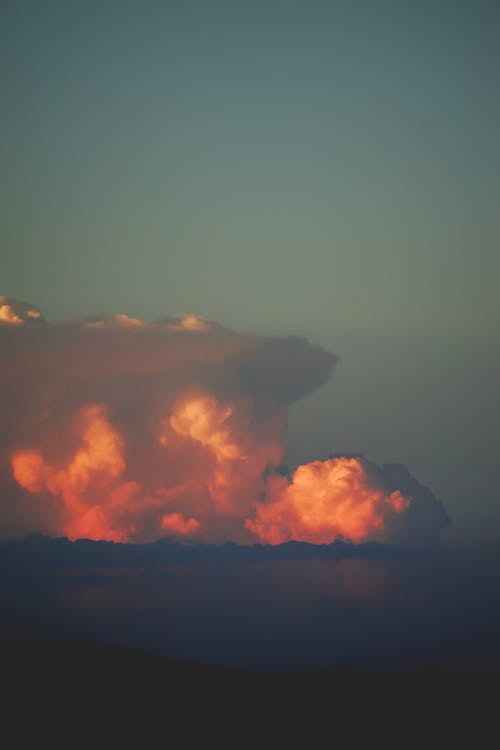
330, 169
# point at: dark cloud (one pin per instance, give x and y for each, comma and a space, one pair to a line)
426, 514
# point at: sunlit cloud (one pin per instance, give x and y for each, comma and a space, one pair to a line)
126, 430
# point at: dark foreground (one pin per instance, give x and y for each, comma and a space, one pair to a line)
67, 691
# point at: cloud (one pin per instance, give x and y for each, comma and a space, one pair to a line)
119, 429
15, 312
324, 500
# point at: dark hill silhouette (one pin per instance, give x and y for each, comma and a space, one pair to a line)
44, 550
77, 687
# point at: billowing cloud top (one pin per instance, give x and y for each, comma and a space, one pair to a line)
126, 430
15, 312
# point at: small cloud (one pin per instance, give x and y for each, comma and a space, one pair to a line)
15, 312
189, 323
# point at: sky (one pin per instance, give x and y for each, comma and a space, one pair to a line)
327, 169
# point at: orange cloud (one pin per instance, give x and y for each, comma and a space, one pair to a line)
82, 480
15, 312
126, 430
325, 500
178, 524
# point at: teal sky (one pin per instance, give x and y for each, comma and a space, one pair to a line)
330, 169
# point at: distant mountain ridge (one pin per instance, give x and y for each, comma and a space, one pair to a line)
45, 550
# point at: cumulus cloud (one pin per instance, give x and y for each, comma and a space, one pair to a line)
15, 312
120, 429
325, 500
